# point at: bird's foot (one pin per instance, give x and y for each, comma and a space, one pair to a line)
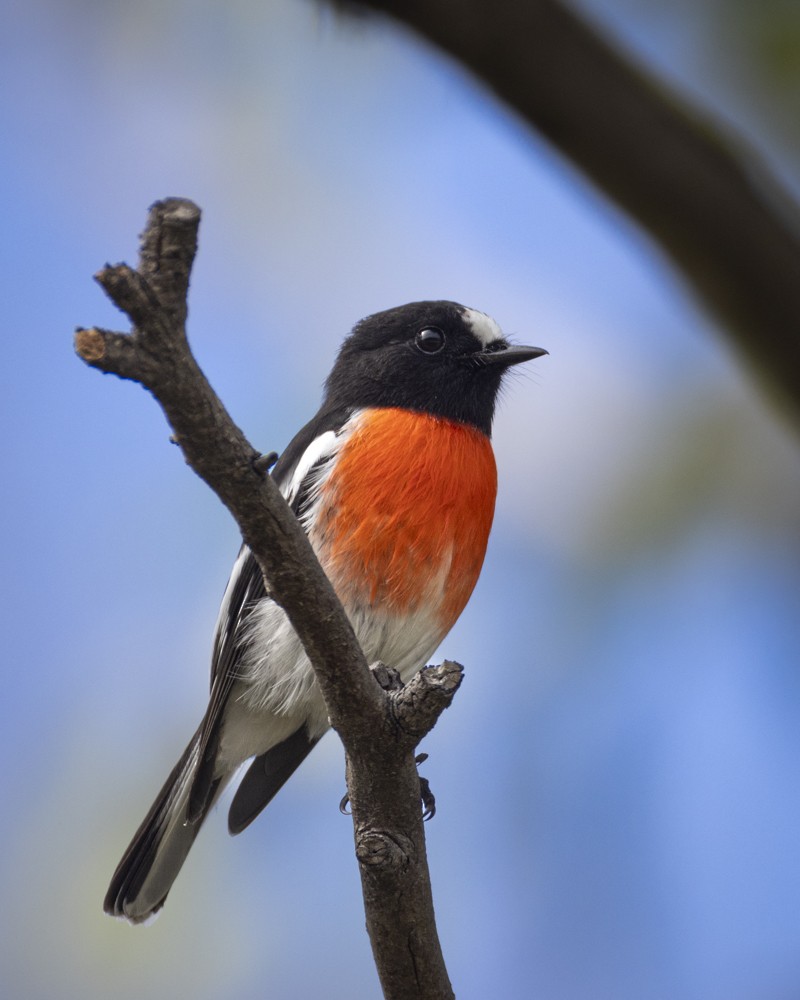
425, 794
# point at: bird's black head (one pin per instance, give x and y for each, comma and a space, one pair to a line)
435, 357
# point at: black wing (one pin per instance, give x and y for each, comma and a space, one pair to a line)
265, 776
245, 589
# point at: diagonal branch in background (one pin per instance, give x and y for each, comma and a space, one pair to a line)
725, 223
380, 723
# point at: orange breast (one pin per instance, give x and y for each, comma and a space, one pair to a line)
405, 518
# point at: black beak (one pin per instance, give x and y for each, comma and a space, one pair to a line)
512, 354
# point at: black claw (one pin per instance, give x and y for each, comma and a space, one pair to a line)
425, 793
264, 463
428, 800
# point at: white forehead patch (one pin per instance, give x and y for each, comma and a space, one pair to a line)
483, 326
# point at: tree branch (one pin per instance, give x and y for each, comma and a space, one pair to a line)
379, 728
711, 206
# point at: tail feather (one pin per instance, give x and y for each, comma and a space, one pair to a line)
159, 847
266, 775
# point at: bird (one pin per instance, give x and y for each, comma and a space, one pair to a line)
394, 481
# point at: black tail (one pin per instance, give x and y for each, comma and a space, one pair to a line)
159, 847
265, 776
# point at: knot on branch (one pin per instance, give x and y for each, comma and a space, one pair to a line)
383, 852
90, 344
416, 707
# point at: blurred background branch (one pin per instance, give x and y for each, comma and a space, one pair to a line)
707, 201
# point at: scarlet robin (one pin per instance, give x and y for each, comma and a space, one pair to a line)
394, 481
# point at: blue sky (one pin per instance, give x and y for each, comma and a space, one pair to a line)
617, 779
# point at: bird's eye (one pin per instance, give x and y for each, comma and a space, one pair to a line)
430, 340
